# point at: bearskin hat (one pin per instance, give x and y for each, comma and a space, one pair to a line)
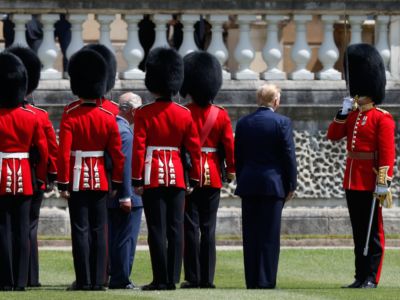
32, 64
366, 72
164, 72
87, 70
13, 80
203, 77
111, 61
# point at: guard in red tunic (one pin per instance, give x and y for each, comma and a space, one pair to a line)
369, 131
86, 132
202, 81
20, 129
111, 61
161, 129
33, 67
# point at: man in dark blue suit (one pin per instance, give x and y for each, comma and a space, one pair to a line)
266, 179
124, 210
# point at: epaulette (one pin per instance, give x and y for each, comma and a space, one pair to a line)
143, 105
105, 110
72, 103
115, 103
41, 109
26, 109
182, 106
382, 110
219, 106
72, 108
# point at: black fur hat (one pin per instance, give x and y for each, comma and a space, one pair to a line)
13, 80
203, 77
111, 61
366, 72
87, 70
164, 72
32, 64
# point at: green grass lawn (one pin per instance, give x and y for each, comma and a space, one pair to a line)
303, 274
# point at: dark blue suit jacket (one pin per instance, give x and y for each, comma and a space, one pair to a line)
265, 155
126, 133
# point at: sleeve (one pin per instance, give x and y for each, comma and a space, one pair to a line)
227, 141
139, 149
338, 128
64, 154
289, 156
127, 140
386, 144
238, 153
114, 147
53, 149
192, 144
39, 140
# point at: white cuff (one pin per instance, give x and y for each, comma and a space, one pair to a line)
123, 200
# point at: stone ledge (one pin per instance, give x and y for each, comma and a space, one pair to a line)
303, 220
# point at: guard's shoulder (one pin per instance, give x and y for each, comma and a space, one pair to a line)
105, 110
40, 109
28, 110
72, 104
145, 105
219, 106
382, 110
115, 103
69, 110
180, 105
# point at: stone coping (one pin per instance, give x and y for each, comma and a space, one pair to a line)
217, 6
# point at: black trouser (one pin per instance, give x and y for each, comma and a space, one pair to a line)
33, 275
14, 240
261, 221
200, 221
164, 210
88, 214
359, 205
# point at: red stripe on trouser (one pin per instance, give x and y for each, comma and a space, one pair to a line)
381, 234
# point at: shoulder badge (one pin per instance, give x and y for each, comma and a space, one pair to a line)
105, 110
382, 110
26, 109
219, 106
181, 106
41, 109
72, 108
144, 105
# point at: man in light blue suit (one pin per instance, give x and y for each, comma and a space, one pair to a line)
124, 210
266, 178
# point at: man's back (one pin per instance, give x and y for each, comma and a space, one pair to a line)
264, 153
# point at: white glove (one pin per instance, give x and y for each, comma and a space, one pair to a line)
384, 195
347, 105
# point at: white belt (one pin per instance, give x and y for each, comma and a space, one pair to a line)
78, 154
149, 157
208, 149
6, 155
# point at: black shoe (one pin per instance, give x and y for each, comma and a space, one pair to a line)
207, 286
76, 287
6, 288
189, 285
154, 287
19, 289
35, 285
171, 286
368, 284
355, 285
129, 286
99, 288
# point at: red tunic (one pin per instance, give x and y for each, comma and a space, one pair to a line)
369, 130
20, 129
221, 133
161, 128
91, 129
50, 137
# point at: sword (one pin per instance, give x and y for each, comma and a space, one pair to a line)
371, 217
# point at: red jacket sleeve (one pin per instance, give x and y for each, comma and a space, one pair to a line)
227, 141
114, 148
64, 153
39, 140
386, 143
191, 141
338, 128
139, 148
52, 147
